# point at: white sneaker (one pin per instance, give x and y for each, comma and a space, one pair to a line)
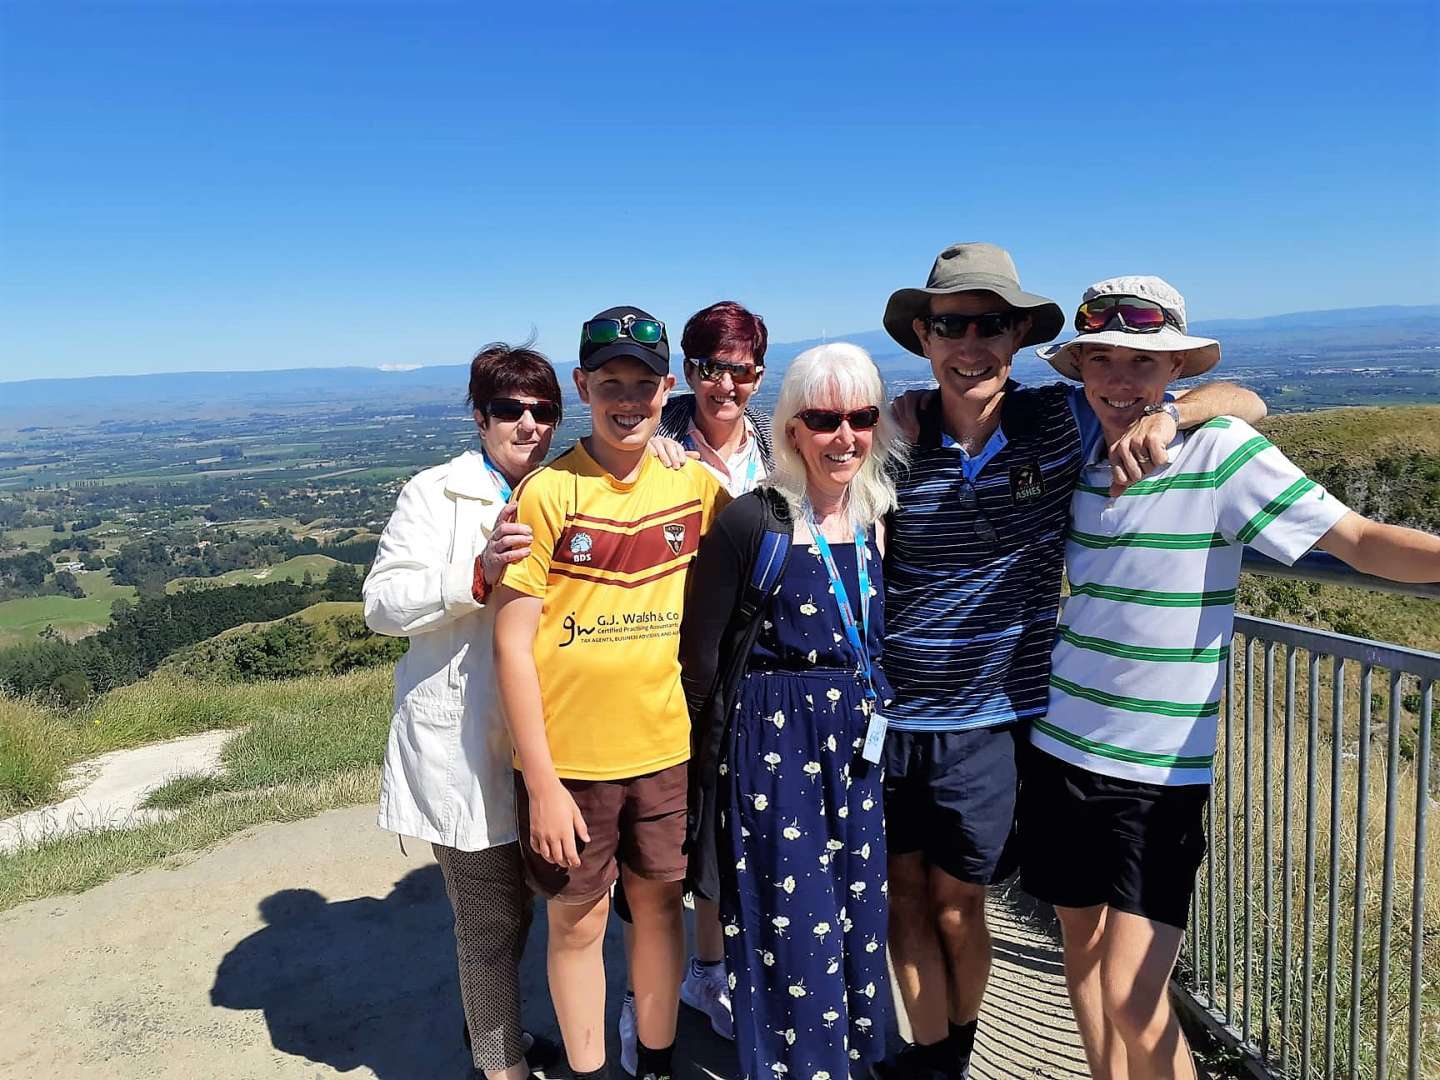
707, 990
629, 1040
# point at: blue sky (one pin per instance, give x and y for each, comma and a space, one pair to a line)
214, 185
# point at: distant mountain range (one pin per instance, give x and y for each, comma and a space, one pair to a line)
1353, 333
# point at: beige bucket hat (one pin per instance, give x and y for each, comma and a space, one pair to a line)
1202, 353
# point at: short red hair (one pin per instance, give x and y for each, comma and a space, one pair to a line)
722, 327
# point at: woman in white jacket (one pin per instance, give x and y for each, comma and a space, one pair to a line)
448, 776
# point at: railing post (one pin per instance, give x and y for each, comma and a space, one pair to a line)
1387, 883
1417, 898
1307, 979
1362, 806
1267, 852
1337, 740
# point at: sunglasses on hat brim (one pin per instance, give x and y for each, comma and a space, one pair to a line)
1134, 314
608, 331
508, 410
827, 420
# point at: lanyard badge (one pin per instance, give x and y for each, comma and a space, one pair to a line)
857, 634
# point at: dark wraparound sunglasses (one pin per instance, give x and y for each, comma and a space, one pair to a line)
606, 331
740, 374
990, 324
1135, 315
825, 420
509, 409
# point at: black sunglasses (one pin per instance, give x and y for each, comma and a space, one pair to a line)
509, 409
824, 420
988, 325
969, 499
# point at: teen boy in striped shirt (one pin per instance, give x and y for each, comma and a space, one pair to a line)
972, 589
1112, 803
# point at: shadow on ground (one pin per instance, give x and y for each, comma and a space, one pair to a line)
371, 983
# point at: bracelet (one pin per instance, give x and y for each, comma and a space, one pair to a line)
479, 587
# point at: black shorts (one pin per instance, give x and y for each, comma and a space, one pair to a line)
1087, 839
950, 795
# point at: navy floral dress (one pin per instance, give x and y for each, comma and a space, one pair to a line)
805, 899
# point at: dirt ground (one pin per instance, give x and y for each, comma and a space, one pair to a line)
317, 948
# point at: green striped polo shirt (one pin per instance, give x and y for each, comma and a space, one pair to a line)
1139, 656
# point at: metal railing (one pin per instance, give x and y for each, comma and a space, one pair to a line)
1302, 915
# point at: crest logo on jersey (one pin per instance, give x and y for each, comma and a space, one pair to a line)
580, 545
1027, 482
675, 535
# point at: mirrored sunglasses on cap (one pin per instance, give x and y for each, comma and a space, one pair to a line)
1134, 314
826, 420
607, 331
509, 409
713, 370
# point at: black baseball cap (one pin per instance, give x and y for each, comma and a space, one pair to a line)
656, 357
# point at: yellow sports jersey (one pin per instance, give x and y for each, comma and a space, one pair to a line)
610, 562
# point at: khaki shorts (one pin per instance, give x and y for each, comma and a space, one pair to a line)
637, 822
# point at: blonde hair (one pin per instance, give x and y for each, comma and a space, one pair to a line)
837, 375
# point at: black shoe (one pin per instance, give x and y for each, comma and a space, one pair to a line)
911, 1063
544, 1054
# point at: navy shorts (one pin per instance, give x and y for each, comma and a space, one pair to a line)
950, 795
1087, 839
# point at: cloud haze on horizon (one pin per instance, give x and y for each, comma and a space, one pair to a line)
277, 185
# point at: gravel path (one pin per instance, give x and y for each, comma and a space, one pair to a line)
112, 786
317, 948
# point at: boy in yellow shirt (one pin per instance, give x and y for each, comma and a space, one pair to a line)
586, 638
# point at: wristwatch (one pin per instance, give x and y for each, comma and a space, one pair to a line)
1169, 408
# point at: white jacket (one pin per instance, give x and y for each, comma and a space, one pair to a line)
447, 775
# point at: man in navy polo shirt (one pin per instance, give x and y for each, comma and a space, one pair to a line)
974, 563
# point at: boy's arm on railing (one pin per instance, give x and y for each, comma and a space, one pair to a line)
1388, 551
555, 820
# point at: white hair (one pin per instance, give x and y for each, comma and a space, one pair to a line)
838, 375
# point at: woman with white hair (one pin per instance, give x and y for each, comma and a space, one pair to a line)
780, 652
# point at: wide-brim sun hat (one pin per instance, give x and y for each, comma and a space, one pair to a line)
971, 268
1201, 353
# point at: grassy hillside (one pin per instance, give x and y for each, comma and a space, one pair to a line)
1382, 462
25, 619
1385, 463
1364, 433
317, 566
328, 638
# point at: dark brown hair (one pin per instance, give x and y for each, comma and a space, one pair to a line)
724, 326
499, 370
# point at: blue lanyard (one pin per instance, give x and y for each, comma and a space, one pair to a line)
499, 477
859, 637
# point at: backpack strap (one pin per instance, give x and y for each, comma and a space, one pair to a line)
765, 571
